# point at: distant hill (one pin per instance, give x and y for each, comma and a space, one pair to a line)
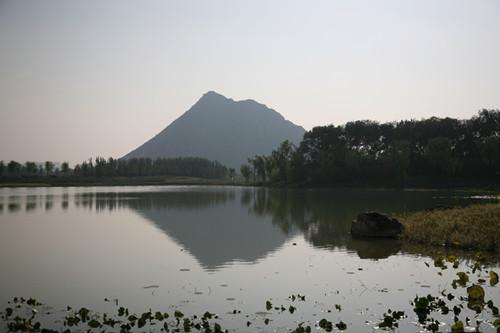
219, 128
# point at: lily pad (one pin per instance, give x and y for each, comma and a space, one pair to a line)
341, 325
493, 278
326, 325
475, 293
463, 278
457, 327
94, 324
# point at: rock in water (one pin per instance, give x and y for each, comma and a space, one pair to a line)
373, 224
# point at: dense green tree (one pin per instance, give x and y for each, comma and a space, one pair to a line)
30, 168
491, 154
232, 173
14, 168
65, 168
281, 160
138, 167
259, 165
428, 152
246, 172
438, 153
399, 156
49, 167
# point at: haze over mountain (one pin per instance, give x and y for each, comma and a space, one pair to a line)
219, 128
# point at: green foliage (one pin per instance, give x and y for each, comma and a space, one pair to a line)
22, 315
94, 323
463, 278
302, 329
475, 293
326, 325
65, 168
430, 152
246, 172
423, 306
457, 327
136, 167
13, 168
341, 325
23, 318
31, 168
391, 319
493, 278
49, 168
275, 168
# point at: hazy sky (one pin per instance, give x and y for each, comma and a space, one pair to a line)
86, 78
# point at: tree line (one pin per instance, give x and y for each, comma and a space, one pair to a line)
14, 169
429, 152
134, 167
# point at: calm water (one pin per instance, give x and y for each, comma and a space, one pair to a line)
218, 249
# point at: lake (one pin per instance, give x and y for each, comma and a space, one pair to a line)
221, 249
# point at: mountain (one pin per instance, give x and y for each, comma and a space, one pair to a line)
219, 128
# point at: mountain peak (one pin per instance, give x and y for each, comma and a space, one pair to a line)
220, 128
213, 95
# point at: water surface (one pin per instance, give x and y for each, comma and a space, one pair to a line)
218, 249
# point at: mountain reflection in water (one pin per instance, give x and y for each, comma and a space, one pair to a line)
220, 225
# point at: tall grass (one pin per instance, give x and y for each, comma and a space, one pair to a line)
474, 227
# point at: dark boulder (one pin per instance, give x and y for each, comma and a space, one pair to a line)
373, 224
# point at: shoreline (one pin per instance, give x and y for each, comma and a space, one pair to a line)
119, 181
178, 180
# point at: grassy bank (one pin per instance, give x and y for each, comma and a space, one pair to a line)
475, 227
111, 181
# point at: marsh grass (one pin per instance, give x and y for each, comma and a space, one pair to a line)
475, 227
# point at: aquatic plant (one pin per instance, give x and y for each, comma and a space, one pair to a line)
30, 315
473, 227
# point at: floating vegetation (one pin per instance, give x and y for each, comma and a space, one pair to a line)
302, 329
326, 325
341, 325
493, 278
299, 297
462, 280
465, 308
391, 319
457, 327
